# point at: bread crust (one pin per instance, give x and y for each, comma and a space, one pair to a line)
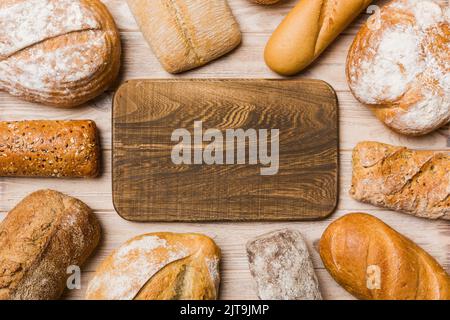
186, 34
65, 60
374, 262
39, 239
414, 182
159, 266
307, 31
400, 68
45, 148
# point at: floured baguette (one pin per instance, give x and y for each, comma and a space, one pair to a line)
282, 268
159, 266
57, 52
186, 34
415, 182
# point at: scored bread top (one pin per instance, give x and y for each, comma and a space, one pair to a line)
159, 266
58, 52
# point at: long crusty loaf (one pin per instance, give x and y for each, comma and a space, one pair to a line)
399, 65
415, 182
282, 268
159, 266
57, 52
49, 148
186, 34
372, 261
307, 31
39, 239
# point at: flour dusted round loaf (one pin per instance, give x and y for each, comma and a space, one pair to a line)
400, 66
57, 52
159, 266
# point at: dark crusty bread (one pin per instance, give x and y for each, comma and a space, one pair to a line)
42, 236
49, 148
410, 181
282, 268
372, 261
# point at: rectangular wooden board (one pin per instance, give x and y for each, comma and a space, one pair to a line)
149, 186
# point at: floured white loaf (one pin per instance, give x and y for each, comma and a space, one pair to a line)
282, 268
159, 266
57, 52
186, 34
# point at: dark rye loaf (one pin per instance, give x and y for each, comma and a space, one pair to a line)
42, 236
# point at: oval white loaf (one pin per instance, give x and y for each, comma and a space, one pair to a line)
57, 52
159, 266
401, 66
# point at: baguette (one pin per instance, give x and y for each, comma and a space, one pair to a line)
307, 31
186, 34
414, 182
282, 268
57, 52
49, 149
39, 239
374, 262
159, 266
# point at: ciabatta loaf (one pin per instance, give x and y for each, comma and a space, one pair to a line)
45, 148
399, 66
46, 233
374, 262
159, 266
57, 52
186, 34
415, 182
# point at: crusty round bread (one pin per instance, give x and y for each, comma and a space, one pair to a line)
57, 52
159, 266
400, 66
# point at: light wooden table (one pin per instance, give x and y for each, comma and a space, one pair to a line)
356, 124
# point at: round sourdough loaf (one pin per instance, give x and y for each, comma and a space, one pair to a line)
400, 66
159, 266
46, 233
57, 52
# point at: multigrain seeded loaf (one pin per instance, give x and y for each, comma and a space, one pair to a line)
282, 268
159, 266
49, 148
414, 182
374, 262
186, 34
39, 239
57, 52
400, 66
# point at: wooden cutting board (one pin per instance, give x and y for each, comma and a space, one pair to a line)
164, 170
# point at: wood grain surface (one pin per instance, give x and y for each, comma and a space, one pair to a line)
148, 186
356, 123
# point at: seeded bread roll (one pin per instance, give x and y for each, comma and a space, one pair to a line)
49, 149
414, 182
159, 266
39, 239
374, 262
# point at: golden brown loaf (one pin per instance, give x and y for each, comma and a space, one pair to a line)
374, 262
49, 148
57, 52
159, 266
39, 239
307, 31
186, 34
415, 182
400, 66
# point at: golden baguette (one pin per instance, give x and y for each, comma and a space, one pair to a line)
374, 262
307, 31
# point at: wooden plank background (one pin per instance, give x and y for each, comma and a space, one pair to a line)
356, 124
